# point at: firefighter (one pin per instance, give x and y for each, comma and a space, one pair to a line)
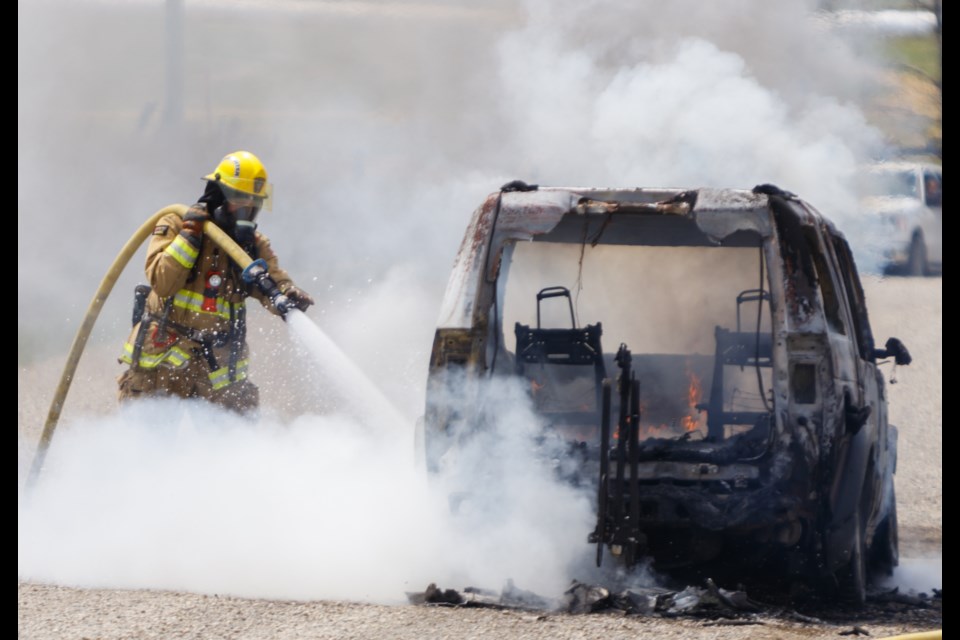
190, 341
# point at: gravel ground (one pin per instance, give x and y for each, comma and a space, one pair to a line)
60, 612
908, 308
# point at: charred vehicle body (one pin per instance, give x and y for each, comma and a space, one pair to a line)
740, 413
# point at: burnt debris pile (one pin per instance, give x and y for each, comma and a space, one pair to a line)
708, 602
582, 598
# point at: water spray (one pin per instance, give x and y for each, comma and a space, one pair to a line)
364, 398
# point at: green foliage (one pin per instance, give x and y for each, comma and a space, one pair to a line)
917, 52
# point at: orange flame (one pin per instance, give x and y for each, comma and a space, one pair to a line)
694, 417
693, 420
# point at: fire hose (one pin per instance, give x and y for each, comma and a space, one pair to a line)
936, 634
254, 272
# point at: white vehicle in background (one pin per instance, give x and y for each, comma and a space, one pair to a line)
907, 197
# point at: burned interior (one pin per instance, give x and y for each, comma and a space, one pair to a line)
707, 359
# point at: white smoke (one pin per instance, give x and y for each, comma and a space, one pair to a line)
917, 575
182, 497
176, 495
382, 131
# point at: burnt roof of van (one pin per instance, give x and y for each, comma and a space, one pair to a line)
718, 213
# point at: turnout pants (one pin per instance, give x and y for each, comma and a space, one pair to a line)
189, 381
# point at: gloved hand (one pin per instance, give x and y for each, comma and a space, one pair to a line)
193, 221
300, 298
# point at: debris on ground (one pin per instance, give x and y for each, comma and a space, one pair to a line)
719, 606
582, 598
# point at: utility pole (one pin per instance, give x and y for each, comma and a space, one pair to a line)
173, 94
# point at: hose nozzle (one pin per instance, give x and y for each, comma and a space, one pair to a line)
257, 274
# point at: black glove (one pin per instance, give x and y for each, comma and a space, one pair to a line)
193, 221
300, 298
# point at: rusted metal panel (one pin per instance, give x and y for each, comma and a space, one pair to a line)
459, 301
722, 212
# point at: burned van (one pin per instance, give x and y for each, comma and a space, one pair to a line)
705, 355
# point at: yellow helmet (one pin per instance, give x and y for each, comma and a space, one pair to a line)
243, 173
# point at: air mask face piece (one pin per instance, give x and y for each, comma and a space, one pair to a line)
243, 206
244, 209
238, 224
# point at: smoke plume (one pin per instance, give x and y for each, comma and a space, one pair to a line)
383, 126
